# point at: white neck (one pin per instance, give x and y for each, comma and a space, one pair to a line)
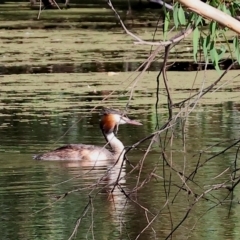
116, 145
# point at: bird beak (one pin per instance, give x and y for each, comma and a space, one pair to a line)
132, 122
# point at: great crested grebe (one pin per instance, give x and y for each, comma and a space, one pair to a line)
110, 120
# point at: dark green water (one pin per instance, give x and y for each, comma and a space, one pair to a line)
51, 80
29, 186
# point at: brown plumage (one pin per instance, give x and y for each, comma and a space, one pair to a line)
110, 120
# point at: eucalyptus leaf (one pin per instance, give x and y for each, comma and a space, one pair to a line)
236, 48
175, 15
196, 35
166, 24
181, 16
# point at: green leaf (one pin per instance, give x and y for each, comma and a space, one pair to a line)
198, 20
214, 56
222, 51
227, 43
212, 27
166, 24
212, 51
236, 48
206, 43
175, 16
214, 3
196, 35
216, 65
226, 10
181, 16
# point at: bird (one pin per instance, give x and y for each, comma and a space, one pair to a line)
109, 123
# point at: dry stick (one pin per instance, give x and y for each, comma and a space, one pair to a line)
210, 158
56, 4
163, 128
235, 163
188, 112
200, 94
145, 210
234, 175
78, 222
225, 83
220, 174
153, 219
92, 221
142, 161
145, 181
201, 165
167, 192
121, 216
170, 112
165, 80
139, 40
220, 203
138, 204
80, 219
86, 209
163, 70
92, 226
163, 3
135, 202
169, 100
207, 89
187, 189
183, 219
120, 20
149, 223
125, 225
196, 100
175, 39
62, 196
156, 104
190, 177
118, 177
149, 60
214, 145
40, 9
205, 214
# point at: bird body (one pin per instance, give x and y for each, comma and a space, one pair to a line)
110, 120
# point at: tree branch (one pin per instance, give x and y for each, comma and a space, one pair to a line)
212, 13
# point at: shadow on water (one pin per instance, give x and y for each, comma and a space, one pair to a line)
107, 67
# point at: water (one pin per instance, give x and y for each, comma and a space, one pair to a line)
28, 187
53, 84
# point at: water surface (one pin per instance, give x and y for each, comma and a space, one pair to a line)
53, 84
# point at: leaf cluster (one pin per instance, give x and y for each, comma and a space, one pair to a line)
209, 37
